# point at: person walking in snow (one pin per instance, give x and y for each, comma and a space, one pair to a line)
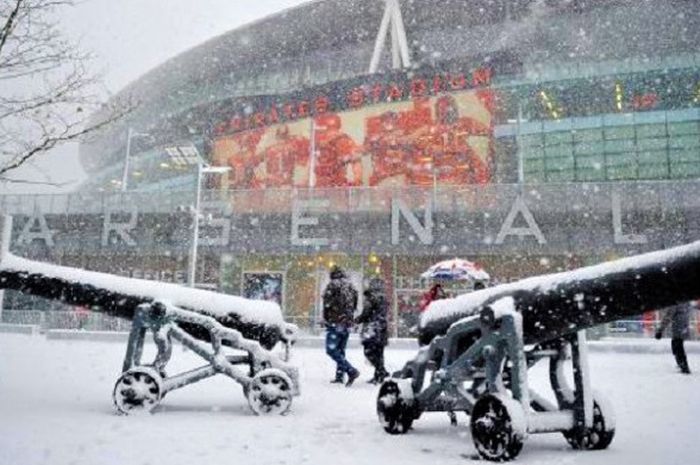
339, 304
679, 319
374, 327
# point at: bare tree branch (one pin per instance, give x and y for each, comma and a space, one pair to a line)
50, 141
35, 183
47, 93
9, 24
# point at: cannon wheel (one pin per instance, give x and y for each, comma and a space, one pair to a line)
269, 392
600, 435
139, 389
498, 427
395, 406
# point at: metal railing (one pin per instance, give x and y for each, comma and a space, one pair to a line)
47, 320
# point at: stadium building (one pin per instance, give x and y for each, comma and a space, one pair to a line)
530, 136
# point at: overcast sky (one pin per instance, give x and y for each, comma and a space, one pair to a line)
130, 37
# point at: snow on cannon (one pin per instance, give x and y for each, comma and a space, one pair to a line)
235, 336
477, 349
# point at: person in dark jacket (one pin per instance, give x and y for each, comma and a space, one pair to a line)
339, 304
374, 327
679, 319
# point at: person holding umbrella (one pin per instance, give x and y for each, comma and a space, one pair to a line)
435, 292
451, 270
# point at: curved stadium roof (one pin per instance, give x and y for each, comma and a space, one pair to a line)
325, 40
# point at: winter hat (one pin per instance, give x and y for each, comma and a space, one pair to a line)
337, 272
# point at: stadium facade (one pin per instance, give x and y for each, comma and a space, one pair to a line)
529, 135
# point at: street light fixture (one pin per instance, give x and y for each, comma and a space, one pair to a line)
189, 155
127, 157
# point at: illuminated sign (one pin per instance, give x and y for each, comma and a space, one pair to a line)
259, 112
419, 131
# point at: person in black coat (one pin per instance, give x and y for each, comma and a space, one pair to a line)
374, 327
339, 304
679, 319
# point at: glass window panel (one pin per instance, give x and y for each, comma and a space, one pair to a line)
616, 146
652, 144
653, 171
532, 152
684, 156
558, 163
681, 142
651, 130
533, 165
531, 140
534, 176
676, 129
587, 135
652, 157
621, 159
622, 172
588, 174
558, 138
560, 175
685, 170
594, 162
559, 151
623, 132
593, 148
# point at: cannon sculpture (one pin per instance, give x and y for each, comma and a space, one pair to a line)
235, 336
477, 349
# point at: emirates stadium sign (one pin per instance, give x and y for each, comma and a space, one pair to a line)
348, 95
428, 128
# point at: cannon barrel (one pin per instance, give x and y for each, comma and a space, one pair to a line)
120, 296
558, 304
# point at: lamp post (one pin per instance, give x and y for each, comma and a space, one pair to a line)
130, 134
202, 169
189, 155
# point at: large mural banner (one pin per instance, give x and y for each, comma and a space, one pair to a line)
428, 140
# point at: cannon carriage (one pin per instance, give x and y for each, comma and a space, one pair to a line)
238, 338
477, 349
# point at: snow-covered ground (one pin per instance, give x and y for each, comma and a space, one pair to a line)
55, 408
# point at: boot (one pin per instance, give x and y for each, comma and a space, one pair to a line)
380, 376
352, 376
338, 379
